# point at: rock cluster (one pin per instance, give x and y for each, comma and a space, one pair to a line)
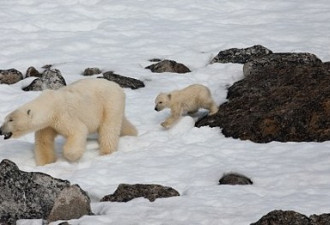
282, 97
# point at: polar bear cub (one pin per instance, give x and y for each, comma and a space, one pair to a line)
187, 100
86, 106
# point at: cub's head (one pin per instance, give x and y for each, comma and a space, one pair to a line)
162, 101
16, 123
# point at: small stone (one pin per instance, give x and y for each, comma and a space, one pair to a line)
10, 76
124, 82
91, 71
127, 192
234, 179
168, 66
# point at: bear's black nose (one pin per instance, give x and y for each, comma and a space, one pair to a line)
0, 131
156, 109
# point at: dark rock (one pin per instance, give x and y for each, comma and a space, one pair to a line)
282, 102
243, 55
279, 217
168, 66
50, 79
127, 192
279, 60
91, 71
10, 76
124, 82
32, 195
323, 219
235, 178
32, 72
154, 60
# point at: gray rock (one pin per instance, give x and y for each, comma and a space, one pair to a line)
168, 66
235, 179
10, 76
240, 55
124, 82
50, 79
127, 192
32, 195
279, 60
91, 71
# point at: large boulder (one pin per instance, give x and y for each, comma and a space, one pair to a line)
33, 195
287, 99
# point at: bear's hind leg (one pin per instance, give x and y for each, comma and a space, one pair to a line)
127, 128
109, 133
44, 146
75, 144
211, 106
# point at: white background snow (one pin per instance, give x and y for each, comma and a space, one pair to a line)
122, 36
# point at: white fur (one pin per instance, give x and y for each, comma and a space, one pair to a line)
187, 100
74, 111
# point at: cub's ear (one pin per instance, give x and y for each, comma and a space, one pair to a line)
169, 96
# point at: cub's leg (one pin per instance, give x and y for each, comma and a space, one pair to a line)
176, 112
44, 146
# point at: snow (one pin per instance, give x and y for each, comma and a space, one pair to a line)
122, 36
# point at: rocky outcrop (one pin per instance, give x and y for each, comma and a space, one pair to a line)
168, 66
283, 97
32, 195
280, 217
127, 192
124, 82
241, 55
235, 179
10, 76
32, 72
50, 79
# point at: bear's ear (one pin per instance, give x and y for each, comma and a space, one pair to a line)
169, 96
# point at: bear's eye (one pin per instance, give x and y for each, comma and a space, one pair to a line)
28, 112
160, 102
10, 120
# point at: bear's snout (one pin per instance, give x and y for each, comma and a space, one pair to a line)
6, 134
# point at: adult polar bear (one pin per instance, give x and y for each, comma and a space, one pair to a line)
74, 111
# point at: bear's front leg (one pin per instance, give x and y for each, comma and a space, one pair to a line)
75, 144
44, 146
176, 112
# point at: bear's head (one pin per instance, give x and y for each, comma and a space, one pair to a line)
162, 101
30, 117
16, 123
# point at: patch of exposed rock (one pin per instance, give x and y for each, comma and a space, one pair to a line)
33, 195
32, 72
127, 192
124, 82
168, 66
91, 71
284, 97
280, 217
241, 55
50, 79
10, 76
235, 179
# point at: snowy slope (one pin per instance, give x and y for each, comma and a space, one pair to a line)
122, 36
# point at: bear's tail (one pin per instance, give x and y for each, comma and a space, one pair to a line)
128, 129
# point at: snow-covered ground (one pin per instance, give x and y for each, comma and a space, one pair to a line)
122, 36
